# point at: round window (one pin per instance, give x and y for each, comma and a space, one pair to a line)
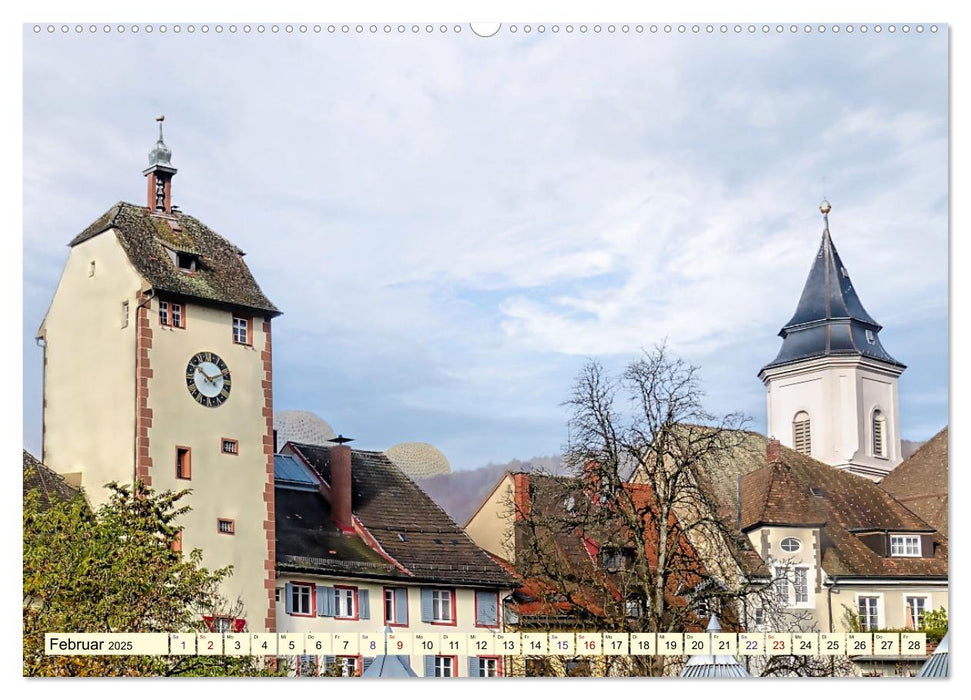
791, 544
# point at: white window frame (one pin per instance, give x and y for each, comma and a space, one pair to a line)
163, 313
241, 329
796, 573
443, 664
300, 592
782, 580
926, 609
345, 603
904, 550
442, 605
782, 544
879, 610
484, 667
348, 666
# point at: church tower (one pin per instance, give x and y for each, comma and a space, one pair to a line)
158, 368
832, 389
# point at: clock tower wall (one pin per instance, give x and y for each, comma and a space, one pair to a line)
229, 484
89, 367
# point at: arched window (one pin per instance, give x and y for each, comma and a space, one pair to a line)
879, 434
801, 438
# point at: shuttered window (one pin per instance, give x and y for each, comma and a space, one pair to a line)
396, 606
486, 609
879, 428
801, 435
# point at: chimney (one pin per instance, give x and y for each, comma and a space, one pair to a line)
773, 452
340, 484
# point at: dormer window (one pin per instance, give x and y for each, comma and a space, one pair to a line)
186, 262
616, 558
871, 337
905, 545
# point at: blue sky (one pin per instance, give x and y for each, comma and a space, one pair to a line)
453, 225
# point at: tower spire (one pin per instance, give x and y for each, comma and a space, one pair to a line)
159, 173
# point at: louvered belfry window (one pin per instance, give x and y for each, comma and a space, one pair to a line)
801, 437
878, 430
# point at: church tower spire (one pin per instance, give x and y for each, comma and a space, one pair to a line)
832, 388
159, 173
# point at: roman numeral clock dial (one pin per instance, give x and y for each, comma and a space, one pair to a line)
207, 379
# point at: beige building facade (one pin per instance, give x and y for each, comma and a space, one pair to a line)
158, 368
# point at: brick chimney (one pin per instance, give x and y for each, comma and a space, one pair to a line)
340, 486
773, 452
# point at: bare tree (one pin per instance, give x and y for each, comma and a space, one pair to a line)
637, 540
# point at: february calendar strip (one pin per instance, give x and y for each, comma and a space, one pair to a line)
887, 644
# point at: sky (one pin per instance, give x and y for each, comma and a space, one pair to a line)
454, 225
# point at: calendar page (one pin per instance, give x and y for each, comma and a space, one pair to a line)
582, 344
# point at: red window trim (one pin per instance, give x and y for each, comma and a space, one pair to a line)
176, 544
250, 330
358, 662
168, 314
313, 599
498, 660
232, 524
357, 604
236, 624
455, 664
188, 462
384, 595
475, 595
222, 446
454, 620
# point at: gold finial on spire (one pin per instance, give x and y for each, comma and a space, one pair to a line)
825, 208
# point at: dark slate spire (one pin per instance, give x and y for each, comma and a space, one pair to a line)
830, 319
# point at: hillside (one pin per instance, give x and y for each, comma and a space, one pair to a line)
460, 493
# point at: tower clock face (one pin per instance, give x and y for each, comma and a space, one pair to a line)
208, 380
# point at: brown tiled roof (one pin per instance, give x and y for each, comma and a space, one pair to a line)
308, 541
771, 495
221, 274
49, 485
920, 483
407, 524
849, 504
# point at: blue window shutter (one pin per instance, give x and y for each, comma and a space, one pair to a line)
368, 660
328, 662
363, 604
486, 608
325, 601
401, 606
473, 667
288, 594
429, 666
426, 604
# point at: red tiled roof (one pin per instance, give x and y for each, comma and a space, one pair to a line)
920, 482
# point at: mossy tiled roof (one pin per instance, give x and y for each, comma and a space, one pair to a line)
49, 485
221, 275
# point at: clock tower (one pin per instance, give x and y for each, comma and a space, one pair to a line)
158, 368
